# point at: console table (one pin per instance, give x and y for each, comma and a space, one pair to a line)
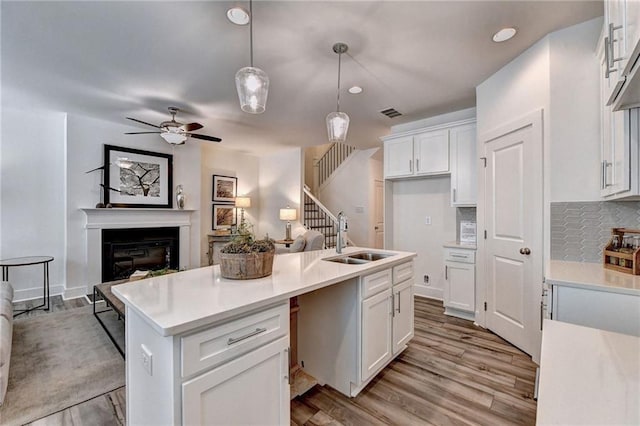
5, 264
215, 244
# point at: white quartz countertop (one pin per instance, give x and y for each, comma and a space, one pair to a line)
458, 244
588, 376
592, 276
175, 303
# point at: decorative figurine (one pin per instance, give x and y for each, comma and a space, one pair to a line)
179, 197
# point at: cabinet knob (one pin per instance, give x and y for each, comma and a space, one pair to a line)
525, 250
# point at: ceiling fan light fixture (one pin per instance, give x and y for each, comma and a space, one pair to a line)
338, 122
174, 138
238, 16
253, 88
252, 83
504, 35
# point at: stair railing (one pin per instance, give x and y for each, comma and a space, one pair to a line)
331, 160
319, 218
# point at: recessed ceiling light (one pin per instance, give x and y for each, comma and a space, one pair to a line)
355, 90
504, 34
238, 16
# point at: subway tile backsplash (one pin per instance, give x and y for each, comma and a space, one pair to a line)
579, 230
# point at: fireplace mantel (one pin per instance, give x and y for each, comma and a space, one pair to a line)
99, 219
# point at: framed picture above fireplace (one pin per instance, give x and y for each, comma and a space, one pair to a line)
224, 189
137, 178
223, 216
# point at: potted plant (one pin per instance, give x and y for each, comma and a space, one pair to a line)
245, 258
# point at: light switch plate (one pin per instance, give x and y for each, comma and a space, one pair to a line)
427, 220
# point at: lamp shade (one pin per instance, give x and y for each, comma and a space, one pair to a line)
243, 202
337, 126
253, 87
288, 214
174, 138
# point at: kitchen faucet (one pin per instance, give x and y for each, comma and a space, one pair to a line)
342, 227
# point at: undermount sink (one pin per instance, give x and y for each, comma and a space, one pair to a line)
370, 256
358, 258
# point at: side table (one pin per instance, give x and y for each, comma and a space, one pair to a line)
287, 243
5, 264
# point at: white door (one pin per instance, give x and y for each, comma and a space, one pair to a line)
513, 221
432, 152
252, 389
402, 315
378, 208
398, 157
460, 286
376, 333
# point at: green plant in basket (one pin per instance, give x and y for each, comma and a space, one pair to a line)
245, 242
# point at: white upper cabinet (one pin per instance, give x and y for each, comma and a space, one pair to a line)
398, 157
464, 188
431, 151
621, 40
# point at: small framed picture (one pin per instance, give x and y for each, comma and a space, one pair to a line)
224, 189
223, 216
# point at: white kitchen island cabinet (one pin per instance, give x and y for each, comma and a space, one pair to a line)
201, 348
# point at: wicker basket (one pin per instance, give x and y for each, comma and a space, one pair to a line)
246, 266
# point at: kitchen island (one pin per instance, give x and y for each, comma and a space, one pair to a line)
202, 349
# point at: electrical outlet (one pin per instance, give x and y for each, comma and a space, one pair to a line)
147, 359
426, 279
359, 209
427, 220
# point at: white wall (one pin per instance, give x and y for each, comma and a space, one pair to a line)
350, 189
217, 160
413, 200
32, 194
86, 138
575, 113
280, 178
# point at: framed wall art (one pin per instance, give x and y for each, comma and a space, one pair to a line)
223, 216
224, 189
137, 178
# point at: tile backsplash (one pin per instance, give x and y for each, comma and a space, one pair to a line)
466, 214
579, 230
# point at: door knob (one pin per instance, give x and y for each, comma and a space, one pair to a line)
525, 250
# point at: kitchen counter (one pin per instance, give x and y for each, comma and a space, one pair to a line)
592, 276
588, 376
175, 303
457, 244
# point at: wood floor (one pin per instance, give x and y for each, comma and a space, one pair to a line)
452, 373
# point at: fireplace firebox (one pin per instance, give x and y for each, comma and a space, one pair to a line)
126, 250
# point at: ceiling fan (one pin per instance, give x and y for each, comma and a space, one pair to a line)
174, 132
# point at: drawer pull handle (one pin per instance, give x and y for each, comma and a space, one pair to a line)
233, 340
462, 256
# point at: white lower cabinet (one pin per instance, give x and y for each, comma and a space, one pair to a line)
259, 377
460, 283
366, 322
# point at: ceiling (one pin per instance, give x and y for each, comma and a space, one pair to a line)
134, 59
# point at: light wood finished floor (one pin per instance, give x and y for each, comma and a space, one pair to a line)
452, 373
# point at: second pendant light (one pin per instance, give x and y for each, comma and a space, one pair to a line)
338, 122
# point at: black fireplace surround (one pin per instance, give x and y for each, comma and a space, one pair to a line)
127, 250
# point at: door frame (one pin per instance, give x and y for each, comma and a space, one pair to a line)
534, 119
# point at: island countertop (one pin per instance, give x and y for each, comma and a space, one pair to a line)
176, 303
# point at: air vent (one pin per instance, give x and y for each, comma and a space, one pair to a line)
391, 112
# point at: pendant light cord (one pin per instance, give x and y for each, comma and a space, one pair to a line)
251, 31
339, 63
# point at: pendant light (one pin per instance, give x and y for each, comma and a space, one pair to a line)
338, 122
252, 83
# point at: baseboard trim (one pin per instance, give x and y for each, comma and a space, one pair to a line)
74, 293
23, 295
429, 292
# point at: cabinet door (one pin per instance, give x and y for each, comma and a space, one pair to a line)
252, 389
376, 333
402, 315
432, 152
398, 157
463, 166
460, 286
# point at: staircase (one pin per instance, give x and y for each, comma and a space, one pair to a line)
318, 218
331, 160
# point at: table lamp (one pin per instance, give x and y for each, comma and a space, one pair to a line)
288, 214
242, 202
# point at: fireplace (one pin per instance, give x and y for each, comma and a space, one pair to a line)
125, 250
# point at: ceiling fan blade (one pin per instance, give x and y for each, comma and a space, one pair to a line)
143, 122
205, 137
141, 133
189, 127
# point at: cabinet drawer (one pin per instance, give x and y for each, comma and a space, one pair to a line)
459, 255
216, 345
402, 272
375, 283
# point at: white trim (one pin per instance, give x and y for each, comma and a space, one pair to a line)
428, 129
35, 293
74, 293
428, 292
